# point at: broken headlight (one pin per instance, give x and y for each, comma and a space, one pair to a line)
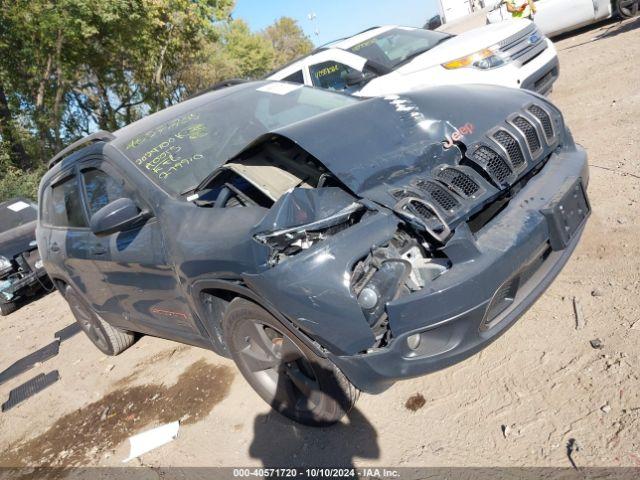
5, 265
378, 286
293, 240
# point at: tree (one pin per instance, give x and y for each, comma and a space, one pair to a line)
70, 67
288, 40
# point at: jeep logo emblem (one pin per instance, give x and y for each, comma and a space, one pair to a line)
458, 135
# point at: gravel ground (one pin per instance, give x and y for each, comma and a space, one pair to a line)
528, 399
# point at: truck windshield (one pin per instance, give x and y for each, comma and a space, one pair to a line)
398, 45
15, 213
180, 150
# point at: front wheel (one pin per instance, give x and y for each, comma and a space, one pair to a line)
108, 339
289, 376
627, 8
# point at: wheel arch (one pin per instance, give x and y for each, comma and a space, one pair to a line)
211, 298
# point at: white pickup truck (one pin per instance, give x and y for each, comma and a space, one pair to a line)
393, 60
554, 17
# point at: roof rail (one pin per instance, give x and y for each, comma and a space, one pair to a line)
99, 136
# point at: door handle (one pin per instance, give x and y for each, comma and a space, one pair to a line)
54, 247
98, 249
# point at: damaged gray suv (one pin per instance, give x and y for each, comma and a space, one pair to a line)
327, 244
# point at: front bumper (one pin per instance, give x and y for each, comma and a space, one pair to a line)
450, 315
17, 285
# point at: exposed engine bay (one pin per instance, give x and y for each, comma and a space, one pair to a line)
450, 184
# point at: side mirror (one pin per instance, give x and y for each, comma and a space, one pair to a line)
117, 216
354, 77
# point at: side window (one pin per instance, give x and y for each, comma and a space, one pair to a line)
295, 77
330, 75
101, 189
65, 208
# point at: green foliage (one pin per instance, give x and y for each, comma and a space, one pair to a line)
15, 182
288, 40
70, 67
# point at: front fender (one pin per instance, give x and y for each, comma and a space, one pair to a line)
313, 287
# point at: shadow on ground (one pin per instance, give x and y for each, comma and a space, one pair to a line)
279, 442
614, 27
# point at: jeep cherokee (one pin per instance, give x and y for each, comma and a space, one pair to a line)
328, 244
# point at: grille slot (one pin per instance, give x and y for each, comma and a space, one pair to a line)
502, 299
439, 194
511, 146
494, 164
423, 211
419, 208
529, 131
544, 118
462, 183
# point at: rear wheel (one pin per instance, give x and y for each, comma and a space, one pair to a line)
8, 308
283, 370
108, 339
628, 8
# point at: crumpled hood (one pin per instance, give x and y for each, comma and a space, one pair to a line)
382, 142
16, 240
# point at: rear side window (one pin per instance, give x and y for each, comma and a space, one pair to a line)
101, 189
64, 207
330, 75
295, 77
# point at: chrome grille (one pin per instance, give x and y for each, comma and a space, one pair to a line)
544, 118
460, 182
493, 163
511, 146
529, 131
439, 194
520, 47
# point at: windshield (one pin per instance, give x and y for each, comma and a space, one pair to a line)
397, 45
15, 213
181, 152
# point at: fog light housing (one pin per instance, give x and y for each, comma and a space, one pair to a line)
368, 298
413, 341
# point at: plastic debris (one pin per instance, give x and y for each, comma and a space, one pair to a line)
580, 322
156, 437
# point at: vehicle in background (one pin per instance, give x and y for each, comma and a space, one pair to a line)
327, 243
21, 271
554, 17
433, 23
393, 60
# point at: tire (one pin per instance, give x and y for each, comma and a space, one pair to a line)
109, 340
287, 374
627, 8
8, 308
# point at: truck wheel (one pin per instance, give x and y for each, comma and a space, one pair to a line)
627, 8
108, 339
283, 370
7, 308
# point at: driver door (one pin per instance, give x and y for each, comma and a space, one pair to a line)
146, 294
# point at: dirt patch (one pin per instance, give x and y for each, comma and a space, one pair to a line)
153, 360
415, 402
86, 433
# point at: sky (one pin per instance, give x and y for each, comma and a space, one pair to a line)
334, 18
